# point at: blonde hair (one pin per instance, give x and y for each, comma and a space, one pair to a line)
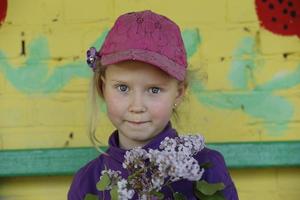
96, 98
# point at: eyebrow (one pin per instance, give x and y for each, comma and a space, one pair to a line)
149, 84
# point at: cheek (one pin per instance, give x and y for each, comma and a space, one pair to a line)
114, 106
161, 109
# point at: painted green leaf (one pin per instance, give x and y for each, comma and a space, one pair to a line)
179, 196
114, 193
91, 197
209, 188
103, 182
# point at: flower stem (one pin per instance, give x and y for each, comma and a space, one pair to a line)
170, 187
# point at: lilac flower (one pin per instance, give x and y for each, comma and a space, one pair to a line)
176, 165
123, 191
135, 158
114, 177
189, 145
151, 170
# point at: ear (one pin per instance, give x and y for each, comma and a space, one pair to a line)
103, 84
180, 92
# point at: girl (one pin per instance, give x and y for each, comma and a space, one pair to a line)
140, 73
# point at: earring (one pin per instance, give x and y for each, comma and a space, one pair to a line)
175, 105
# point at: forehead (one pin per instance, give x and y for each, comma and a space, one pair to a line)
136, 69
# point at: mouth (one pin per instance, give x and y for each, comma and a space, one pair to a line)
137, 123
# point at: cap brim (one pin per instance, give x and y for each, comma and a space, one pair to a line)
169, 66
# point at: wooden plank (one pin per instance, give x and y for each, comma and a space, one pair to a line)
260, 154
56, 161
65, 161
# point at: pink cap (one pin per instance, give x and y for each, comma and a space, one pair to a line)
148, 37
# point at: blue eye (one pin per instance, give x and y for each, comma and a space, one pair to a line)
122, 88
155, 90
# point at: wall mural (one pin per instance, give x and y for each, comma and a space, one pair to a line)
262, 105
3, 8
34, 77
279, 16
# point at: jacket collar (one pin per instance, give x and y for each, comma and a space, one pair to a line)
118, 153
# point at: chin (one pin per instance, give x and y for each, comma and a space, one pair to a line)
143, 139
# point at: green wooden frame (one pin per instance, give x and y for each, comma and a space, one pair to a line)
66, 161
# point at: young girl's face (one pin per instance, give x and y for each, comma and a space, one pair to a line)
139, 98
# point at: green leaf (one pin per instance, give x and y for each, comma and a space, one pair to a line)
114, 193
179, 196
209, 188
103, 182
206, 165
198, 194
159, 195
216, 196
91, 197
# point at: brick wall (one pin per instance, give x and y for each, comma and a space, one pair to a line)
247, 86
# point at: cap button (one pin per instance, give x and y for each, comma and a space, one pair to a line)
139, 20
157, 25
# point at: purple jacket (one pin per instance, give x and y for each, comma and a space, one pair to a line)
86, 178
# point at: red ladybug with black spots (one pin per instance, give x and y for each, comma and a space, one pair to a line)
279, 16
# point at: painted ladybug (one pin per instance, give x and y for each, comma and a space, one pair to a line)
279, 16
3, 8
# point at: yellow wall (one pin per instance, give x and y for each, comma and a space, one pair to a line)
254, 184
247, 86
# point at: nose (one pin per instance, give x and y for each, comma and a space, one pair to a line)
137, 104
